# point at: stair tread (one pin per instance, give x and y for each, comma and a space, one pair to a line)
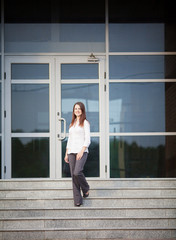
84, 218
87, 208
92, 188
85, 229
98, 197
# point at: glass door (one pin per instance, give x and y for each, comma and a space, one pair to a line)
39, 96
80, 80
28, 117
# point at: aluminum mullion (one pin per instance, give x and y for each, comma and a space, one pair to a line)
79, 81
30, 81
141, 53
144, 134
30, 134
141, 80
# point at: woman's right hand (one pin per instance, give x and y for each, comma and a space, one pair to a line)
66, 159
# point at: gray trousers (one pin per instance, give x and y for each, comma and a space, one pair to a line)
78, 179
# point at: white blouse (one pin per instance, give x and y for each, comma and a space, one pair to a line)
78, 137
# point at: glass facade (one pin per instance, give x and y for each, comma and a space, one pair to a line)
131, 108
92, 166
30, 157
30, 108
142, 156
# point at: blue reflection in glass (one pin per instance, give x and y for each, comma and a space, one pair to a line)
137, 107
137, 67
130, 37
30, 71
30, 107
55, 37
86, 93
79, 71
0, 107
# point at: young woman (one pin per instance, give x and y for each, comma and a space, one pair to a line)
77, 151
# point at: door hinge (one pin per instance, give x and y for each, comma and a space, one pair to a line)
105, 87
4, 169
105, 168
4, 75
4, 114
104, 75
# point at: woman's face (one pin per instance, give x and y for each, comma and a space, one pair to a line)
77, 110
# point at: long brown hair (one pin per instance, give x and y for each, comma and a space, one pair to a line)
82, 117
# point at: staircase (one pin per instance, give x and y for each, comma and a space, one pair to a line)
116, 209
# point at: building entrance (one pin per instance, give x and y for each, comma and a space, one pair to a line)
39, 96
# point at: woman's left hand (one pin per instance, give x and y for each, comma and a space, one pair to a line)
79, 155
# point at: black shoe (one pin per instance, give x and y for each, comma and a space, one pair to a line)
78, 204
85, 195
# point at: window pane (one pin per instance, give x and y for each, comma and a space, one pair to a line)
30, 107
86, 93
55, 37
68, 11
92, 166
141, 157
142, 107
30, 157
0, 108
0, 66
137, 67
61, 26
30, 71
140, 24
136, 37
0, 159
79, 71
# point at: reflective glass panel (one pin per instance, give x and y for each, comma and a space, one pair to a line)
92, 166
79, 71
136, 37
142, 156
143, 25
86, 93
30, 157
0, 160
137, 67
55, 37
30, 107
142, 107
0, 108
0, 69
30, 71
54, 26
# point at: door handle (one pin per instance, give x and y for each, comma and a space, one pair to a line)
62, 136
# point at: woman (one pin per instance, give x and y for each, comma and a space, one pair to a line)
77, 151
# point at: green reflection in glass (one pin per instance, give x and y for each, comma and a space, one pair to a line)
30, 157
92, 165
142, 157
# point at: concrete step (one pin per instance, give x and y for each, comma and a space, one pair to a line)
89, 212
94, 183
86, 223
116, 209
95, 192
156, 202
81, 234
